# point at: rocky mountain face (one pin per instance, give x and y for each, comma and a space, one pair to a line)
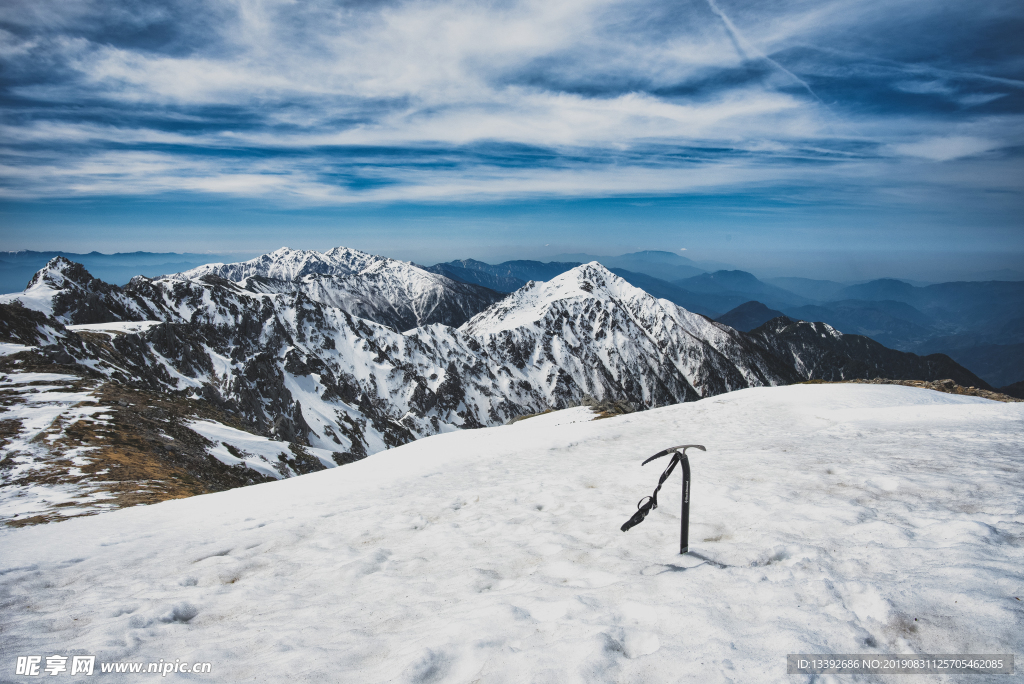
817, 351
317, 349
74, 441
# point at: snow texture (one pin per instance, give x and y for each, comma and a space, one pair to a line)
824, 518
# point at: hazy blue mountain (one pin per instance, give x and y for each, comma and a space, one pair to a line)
742, 285
17, 268
881, 289
978, 307
997, 364
1013, 329
979, 324
894, 324
748, 316
817, 290
508, 276
667, 266
706, 305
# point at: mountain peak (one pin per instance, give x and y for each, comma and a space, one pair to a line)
60, 271
587, 282
590, 280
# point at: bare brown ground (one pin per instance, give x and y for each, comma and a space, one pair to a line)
142, 454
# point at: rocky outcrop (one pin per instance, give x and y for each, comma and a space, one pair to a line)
817, 351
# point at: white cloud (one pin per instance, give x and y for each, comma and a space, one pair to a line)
946, 148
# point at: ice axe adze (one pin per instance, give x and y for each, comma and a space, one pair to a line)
652, 501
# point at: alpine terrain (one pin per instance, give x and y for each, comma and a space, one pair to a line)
297, 361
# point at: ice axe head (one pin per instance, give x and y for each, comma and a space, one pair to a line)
674, 449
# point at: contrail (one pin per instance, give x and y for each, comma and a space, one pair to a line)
743, 46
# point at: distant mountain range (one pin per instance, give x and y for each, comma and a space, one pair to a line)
16, 268
665, 265
979, 324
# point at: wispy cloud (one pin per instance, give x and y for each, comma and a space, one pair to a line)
944, 149
346, 101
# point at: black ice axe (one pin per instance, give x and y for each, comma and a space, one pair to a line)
652, 501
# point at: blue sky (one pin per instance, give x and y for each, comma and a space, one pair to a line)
802, 136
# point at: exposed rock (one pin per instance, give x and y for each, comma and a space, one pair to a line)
946, 385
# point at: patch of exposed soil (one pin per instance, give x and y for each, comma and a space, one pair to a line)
140, 451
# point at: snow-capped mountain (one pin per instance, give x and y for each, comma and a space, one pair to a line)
387, 291
394, 293
302, 369
295, 361
292, 264
590, 329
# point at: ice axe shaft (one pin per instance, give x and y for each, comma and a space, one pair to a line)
684, 516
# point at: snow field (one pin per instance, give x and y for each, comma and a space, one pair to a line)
116, 328
260, 454
824, 518
8, 348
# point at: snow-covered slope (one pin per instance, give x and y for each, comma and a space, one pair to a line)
824, 519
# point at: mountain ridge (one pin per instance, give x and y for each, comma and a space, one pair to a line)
299, 368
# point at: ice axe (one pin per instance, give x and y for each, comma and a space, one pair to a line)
652, 501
